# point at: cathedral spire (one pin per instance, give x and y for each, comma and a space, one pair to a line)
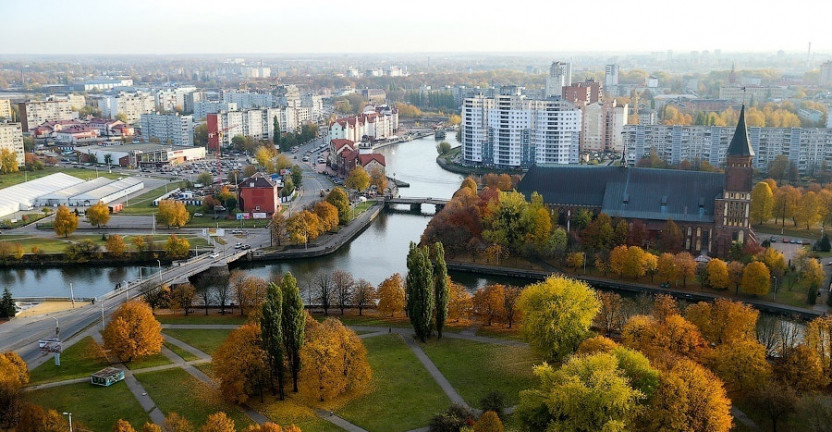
740, 144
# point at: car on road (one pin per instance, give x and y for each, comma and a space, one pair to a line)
238, 245
214, 255
306, 158
245, 247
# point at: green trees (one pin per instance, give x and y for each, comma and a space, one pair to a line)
557, 314
276, 137
7, 307
338, 197
441, 286
271, 332
294, 324
420, 296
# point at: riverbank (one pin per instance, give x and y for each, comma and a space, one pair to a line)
329, 244
629, 287
456, 168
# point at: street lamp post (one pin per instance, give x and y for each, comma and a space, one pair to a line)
69, 414
127, 288
160, 272
775, 287
71, 295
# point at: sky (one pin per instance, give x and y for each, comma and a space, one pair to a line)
405, 26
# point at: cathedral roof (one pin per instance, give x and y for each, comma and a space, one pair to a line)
740, 145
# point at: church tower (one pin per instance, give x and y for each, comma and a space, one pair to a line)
732, 209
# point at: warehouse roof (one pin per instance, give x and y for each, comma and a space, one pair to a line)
23, 195
74, 190
108, 189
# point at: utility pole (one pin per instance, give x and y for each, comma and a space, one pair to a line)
71, 295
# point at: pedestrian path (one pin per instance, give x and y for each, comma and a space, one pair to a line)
434, 372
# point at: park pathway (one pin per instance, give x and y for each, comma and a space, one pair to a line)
434, 372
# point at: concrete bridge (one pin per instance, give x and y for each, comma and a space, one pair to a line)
415, 203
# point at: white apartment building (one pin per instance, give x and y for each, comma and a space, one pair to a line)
132, 105
808, 148
35, 113
560, 74
256, 123
257, 72
5, 109
101, 84
170, 99
374, 125
747, 93
246, 99
610, 75
173, 129
826, 74
203, 108
11, 138
512, 131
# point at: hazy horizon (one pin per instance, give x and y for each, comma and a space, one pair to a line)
319, 28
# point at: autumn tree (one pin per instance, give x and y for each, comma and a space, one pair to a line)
762, 203
685, 266
115, 246
818, 338
378, 179
339, 198
511, 313
271, 334
488, 422
801, 368
241, 364
182, 298
808, 209
322, 285
293, 320
123, 426
810, 274
723, 320
557, 314
774, 260
460, 302
177, 247
735, 272
278, 226
327, 215
667, 270
689, 398
358, 179
14, 375
670, 239
575, 260
248, 291
363, 295
489, 303
133, 332
717, 272
391, 297
303, 227
334, 359
776, 401
741, 364
8, 161
172, 213
65, 222
98, 214
610, 315
618, 260
420, 295
656, 338
37, 419
176, 423
756, 279
786, 199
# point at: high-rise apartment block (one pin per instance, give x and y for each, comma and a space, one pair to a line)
603, 125
826, 74
11, 138
611, 75
257, 123
512, 131
173, 129
5, 109
131, 105
560, 74
582, 93
35, 113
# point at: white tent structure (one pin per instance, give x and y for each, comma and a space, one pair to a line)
108, 192
62, 197
22, 196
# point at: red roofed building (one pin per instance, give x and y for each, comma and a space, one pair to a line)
259, 194
75, 133
51, 128
368, 126
349, 159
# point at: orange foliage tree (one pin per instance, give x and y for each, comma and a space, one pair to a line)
334, 359
133, 332
240, 364
390, 295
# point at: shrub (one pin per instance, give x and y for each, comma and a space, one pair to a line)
493, 401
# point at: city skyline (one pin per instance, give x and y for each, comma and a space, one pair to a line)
319, 27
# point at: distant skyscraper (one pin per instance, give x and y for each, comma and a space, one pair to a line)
611, 75
826, 74
560, 74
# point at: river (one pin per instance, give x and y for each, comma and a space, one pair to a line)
377, 253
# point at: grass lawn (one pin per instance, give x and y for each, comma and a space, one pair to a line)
180, 352
475, 369
79, 360
205, 340
370, 318
143, 204
49, 244
149, 361
402, 396
30, 218
98, 408
199, 317
208, 221
175, 390
501, 332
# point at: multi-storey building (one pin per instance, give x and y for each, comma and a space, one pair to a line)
582, 93
35, 113
373, 126
603, 125
102, 83
11, 138
808, 148
746, 93
611, 75
131, 105
560, 74
5, 109
512, 131
173, 98
257, 123
204, 107
173, 129
826, 74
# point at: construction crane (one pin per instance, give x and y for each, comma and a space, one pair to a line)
219, 134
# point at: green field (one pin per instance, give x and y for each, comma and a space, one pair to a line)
55, 244
204, 340
79, 360
198, 317
403, 396
98, 408
143, 204
475, 369
149, 361
175, 390
187, 356
12, 179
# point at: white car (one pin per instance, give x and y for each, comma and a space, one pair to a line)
238, 245
214, 255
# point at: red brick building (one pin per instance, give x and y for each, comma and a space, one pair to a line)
581, 93
259, 193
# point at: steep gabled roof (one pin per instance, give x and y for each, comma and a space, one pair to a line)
740, 145
366, 158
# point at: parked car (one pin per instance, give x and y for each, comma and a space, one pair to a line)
238, 245
245, 247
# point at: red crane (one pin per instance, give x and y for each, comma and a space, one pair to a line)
219, 134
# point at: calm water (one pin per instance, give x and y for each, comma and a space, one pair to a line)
374, 255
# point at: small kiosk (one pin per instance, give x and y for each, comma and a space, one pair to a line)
107, 376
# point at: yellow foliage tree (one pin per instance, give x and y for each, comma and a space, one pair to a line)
358, 179
240, 364
176, 423
575, 260
596, 344
115, 246
460, 303
756, 279
334, 359
488, 422
65, 222
98, 214
717, 271
489, 303
391, 295
741, 364
327, 214
133, 332
818, 338
724, 321
656, 339
303, 227
14, 375
172, 213
667, 267
762, 203
379, 179
685, 266
177, 247
802, 369
123, 426
218, 422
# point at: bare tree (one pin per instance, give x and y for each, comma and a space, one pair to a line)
344, 284
182, 297
223, 295
512, 294
324, 290
768, 333
249, 291
608, 318
789, 334
364, 295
